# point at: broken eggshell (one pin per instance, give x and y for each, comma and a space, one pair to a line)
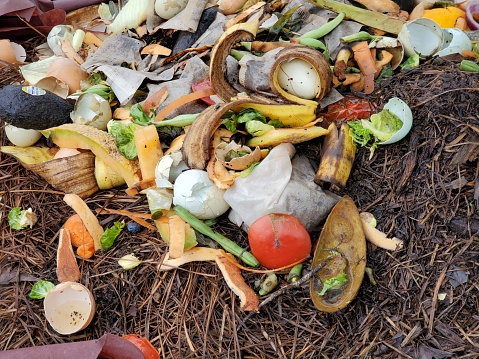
92, 110
12, 52
194, 191
56, 35
69, 307
399, 108
421, 36
22, 137
224, 150
299, 78
455, 42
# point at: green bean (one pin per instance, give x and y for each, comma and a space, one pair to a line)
360, 36
227, 244
178, 121
324, 29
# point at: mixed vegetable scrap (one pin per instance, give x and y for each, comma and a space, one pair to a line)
181, 122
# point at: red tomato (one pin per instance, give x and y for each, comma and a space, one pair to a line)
278, 240
144, 345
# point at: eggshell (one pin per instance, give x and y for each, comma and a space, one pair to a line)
22, 137
92, 110
455, 41
299, 78
421, 36
400, 109
194, 191
11, 52
69, 72
166, 9
56, 35
69, 307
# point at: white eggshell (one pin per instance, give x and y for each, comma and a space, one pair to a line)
194, 191
22, 137
299, 78
166, 9
455, 41
92, 110
69, 307
56, 35
400, 109
421, 36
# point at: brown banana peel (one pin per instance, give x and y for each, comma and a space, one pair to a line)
342, 246
337, 157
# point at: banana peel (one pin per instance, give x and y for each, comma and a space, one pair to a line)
196, 145
342, 247
337, 157
283, 135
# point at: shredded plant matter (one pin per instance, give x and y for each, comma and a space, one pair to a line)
423, 190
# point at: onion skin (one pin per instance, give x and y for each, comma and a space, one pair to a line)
472, 7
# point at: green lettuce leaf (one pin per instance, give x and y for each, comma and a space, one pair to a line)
40, 289
383, 125
20, 219
334, 283
139, 116
124, 138
108, 237
257, 128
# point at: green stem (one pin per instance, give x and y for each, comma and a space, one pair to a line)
227, 244
238, 55
295, 273
313, 43
324, 29
178, 121
360, 36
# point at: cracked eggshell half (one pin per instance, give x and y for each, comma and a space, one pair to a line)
399, 108
194, 191
22, 137
299, 78
455, 42
421, 36
92, 110
69, 307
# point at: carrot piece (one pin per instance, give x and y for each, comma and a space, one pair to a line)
366, 63
86, 250
180, 101
79, 234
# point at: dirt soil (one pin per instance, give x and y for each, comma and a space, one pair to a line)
423, 304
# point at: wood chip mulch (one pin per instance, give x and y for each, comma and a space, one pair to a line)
424, 304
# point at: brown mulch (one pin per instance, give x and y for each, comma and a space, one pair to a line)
422, 190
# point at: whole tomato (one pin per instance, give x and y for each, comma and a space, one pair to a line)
278, 240
148, 350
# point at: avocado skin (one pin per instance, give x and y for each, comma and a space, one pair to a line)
36, 112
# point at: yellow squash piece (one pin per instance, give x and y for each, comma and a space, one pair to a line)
342, 246
445, 17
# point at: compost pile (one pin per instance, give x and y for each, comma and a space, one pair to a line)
421, 301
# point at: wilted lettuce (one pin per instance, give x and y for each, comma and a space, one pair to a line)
334, 283
20, 219
40, 289
108, 237
124, 138
383, 125
257, 128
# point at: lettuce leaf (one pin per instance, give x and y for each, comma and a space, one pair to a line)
20, 219
40, 289
383, 125
334, 283
124, 138
108, 237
